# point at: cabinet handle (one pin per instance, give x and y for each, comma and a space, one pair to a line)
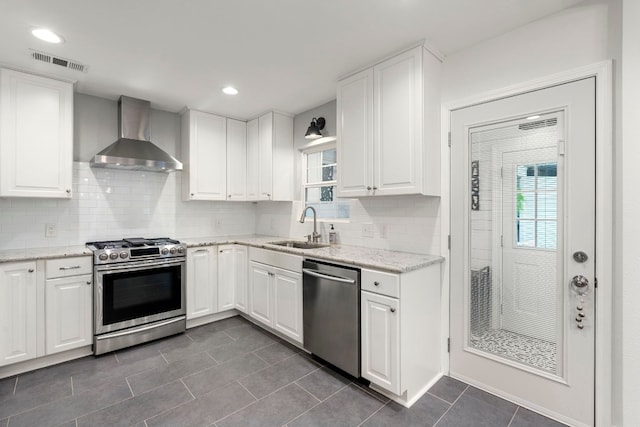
201, 250
376, 283
375, 188
72, 267
88, 282
31, 270
393, 310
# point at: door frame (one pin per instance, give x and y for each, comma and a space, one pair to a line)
602, 71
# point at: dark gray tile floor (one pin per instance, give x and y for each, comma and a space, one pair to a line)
231, 373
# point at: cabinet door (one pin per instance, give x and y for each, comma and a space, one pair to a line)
253, 160
265, 165
398, 121
36, 136
287, 302
380, 341
202, 293
282, 158
68, 313
206, 149
260, 293
241, 267
236, 160
17, 312
355, 135
226, 279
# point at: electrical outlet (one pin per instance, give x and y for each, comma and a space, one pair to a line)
367, 230
51, 230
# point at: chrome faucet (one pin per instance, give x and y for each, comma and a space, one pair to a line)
315, 235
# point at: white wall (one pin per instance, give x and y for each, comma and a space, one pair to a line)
111, 204
630, 200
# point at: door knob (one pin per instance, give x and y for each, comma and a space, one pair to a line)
580, 284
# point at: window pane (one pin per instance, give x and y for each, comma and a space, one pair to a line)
525, 233
525, 179
525, 203
547, 176
329, 157
546, 234
319, 194
329, 173
547, 207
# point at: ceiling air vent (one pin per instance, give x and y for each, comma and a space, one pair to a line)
538, 124
56, 60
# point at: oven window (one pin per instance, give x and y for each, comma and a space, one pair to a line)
135, 294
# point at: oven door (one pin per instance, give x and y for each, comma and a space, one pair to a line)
137, 293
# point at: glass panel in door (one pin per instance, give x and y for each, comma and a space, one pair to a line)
515, 299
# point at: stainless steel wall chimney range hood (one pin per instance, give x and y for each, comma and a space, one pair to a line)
133, 150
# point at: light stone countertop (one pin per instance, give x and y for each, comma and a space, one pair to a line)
14, 255
379, 259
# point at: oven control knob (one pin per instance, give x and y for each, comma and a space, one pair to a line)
124, 254
173, 250
180, 250
164, 251
103, 257
113, 255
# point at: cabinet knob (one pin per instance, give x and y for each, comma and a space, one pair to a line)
68, 191
191, 194
393, 310
376, 283
375, 188
229, 195
368, 188
31, 270
88, 282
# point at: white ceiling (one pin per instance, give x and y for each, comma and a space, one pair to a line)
280, 54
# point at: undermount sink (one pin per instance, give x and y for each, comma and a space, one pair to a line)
299, 245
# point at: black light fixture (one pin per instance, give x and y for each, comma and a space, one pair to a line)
314, 128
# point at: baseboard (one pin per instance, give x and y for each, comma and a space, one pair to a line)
199, 321
43, 362
404, 400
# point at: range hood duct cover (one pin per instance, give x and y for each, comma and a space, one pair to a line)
133, 150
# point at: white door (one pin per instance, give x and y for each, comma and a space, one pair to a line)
260, 292
18, 335
202, 293
226, 279
236, 160
68, 314
522, 230
287, 302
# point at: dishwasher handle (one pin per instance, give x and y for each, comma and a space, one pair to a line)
316, 273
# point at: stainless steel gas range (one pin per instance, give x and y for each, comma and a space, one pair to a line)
139, 292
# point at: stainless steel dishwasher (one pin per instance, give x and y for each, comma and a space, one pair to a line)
331, 315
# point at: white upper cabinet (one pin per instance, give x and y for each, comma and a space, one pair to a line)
204, 155
270, 158
355, 134
236, 160
389, 128
36, 136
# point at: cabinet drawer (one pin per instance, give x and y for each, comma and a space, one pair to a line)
65, 267
381, 283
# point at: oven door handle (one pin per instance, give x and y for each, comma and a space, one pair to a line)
139, 329
138, 266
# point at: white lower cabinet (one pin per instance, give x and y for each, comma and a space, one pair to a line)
380, 341
68, 304
202, 278
275, 291
400, 331
232, 277
68, 309
18, 306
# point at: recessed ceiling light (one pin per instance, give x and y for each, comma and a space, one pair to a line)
533, 117
229, 90
47, 35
